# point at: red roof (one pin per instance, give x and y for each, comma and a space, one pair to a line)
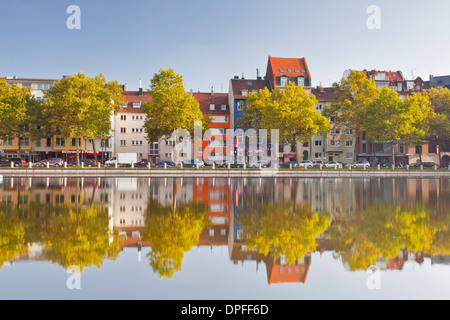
296, 66
218, 99
323, 94
237, 85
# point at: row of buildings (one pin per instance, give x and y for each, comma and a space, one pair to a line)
128, 134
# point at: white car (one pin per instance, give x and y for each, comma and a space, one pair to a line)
361, 164
305, 164
332, 164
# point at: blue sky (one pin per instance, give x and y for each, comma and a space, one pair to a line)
209, 42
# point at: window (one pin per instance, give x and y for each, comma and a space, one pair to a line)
335, 143
301, 81
136, 104
38, 143
289, 70
74, 142
244, 92
296, 71
254, 91
123, 143
249, 83
240, 106
219, 119
123, 117
60, 142
123, 130
318, 155
399, 86
212, 107
349, 155
283, 81
281, 71
349, 131
335, 131
318, 143
223, 107
349, 143
49, 142
7, 142
319, 107
105, 143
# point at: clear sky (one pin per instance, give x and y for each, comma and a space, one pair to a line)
209, 41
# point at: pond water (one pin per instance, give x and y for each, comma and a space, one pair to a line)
220, 238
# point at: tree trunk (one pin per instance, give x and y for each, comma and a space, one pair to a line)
393, 153
374, 154
420, 153
78, 151
358, 132
95, 151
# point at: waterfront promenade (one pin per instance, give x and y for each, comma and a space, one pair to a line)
209, 172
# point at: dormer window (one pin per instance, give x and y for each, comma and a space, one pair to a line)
223, 107
399, 86
296, 71
244, 92
136, 104
281, 71
283, 81
289, 71
212, 107
301, 81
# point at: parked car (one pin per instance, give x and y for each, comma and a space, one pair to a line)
294, 164
233, 164
332, 164
142, 163
52, 162
193, 164
389, 165
264, 164
90, 163
429, 164
445, 165
305, 164
161, 164
5, 163
317, 163
361, 164
18, 162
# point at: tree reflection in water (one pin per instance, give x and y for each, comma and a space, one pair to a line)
69, 236
172, 231
385, 231
283, 230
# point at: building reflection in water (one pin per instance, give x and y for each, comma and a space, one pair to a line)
278, 223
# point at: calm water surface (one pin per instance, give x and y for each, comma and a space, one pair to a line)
211, 238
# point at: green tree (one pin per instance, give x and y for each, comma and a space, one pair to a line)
171, 108
283, 230
439, 125
18, 115
352, 96
291, 111
81, 106
172, 233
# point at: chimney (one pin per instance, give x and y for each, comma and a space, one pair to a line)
124, 87
191, 92
257, 73
243, 76
212, 90
236, 77
141, 92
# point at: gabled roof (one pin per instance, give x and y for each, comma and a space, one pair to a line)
218, 99
323, 94
237, 85
297, 66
